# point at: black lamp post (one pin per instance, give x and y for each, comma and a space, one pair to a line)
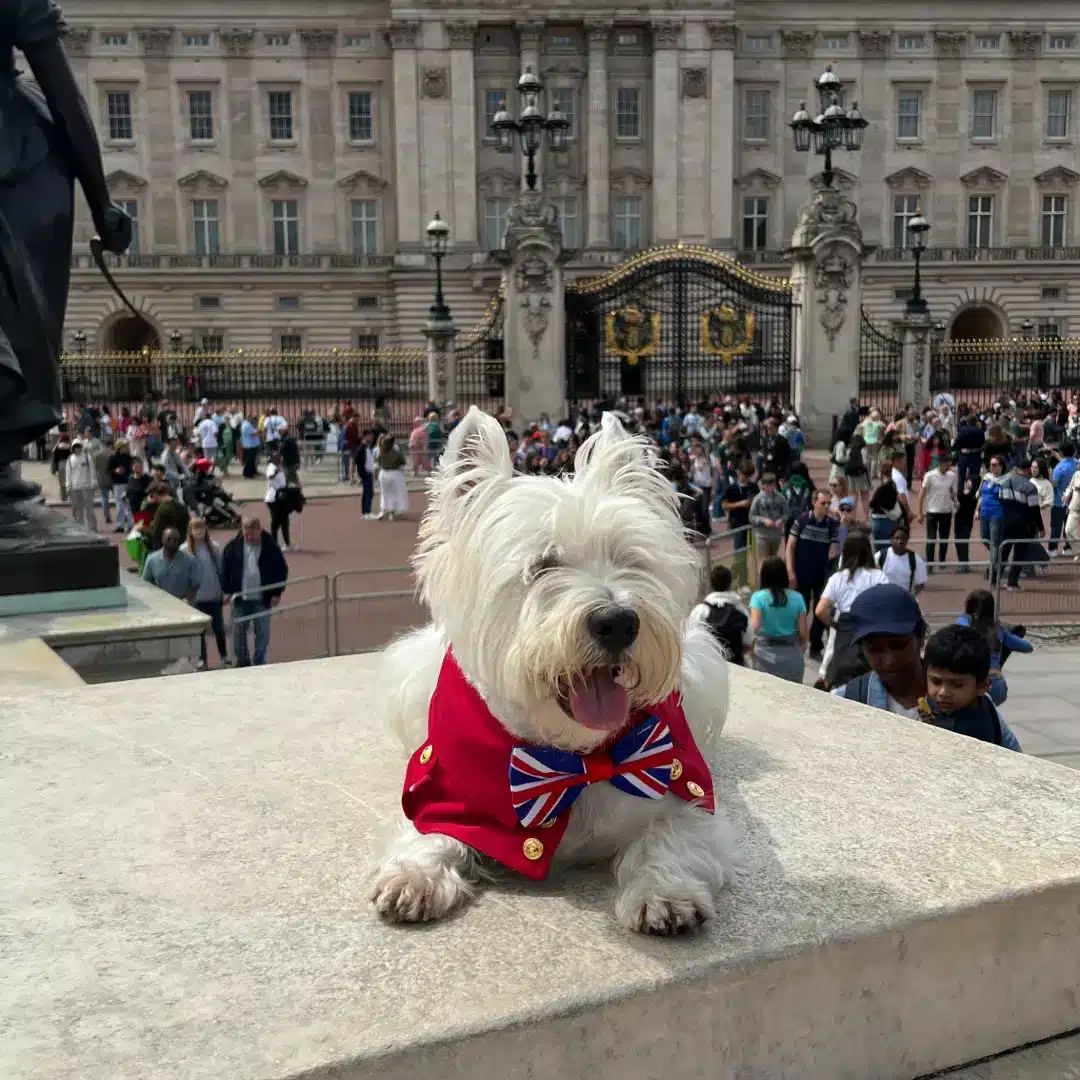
531, 127
79, 337
833, 128
438, 234
918, 226
1026, 328
175, 338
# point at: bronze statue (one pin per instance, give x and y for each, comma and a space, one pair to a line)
47, 141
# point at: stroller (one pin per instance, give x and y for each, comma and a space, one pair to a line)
213, 503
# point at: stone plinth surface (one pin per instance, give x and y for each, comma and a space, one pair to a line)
184, 879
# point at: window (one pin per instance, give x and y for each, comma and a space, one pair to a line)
364, 214
196, 41
910, 42
131, 208
987, 42
209, 303
568, 221
1051, 292
980, 221
983, 114
357, 41
212, 343
627, 224
562, 98
115, 41
1058, 107
836, 42
279, 109
1061, 41
628, 112
1053, 220
909, 114
201, 115
288, 303
756, 115
755, 224
493, 102
495, 211
291, 342
367, 303
277, 41
285, 214
367, 342
1047, 330
902, 294
204, 215
118, 103
758, 42
361, 119
904, 209
627, 38
561, 41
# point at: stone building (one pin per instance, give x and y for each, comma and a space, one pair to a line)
282, 161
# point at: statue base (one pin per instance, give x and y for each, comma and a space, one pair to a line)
43, 551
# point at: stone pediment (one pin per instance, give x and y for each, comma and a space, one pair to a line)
282, 179
630, 180
498, 182
202, 178
841, 179
909, 177
758, 178
122, 179
983, 176
362, 180
564, 180
1057, 175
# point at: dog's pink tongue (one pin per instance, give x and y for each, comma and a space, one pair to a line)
600, 702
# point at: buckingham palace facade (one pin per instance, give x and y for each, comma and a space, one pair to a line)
282, 163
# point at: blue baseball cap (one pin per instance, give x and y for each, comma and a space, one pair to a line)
885, 611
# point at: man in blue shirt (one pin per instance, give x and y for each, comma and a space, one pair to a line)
1061, 476
809, 549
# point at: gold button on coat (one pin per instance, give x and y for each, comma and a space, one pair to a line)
676, 769
695, 789
532, 849
425, 755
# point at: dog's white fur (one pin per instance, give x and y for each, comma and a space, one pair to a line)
510, 567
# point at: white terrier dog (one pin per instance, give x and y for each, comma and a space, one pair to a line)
560, 624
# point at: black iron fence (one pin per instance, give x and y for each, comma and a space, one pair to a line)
982, 372
480, 361
880, 363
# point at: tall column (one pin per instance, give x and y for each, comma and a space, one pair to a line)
599, 159
245, 210
402, 37
322, 211
665, 130
441, 361
164, 210
462, 37
722, 133
529, 37
915, 364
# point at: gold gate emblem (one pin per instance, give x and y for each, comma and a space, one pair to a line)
727, 333
631, 333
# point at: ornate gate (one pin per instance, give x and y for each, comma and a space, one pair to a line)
880, 363
480, 360
678, 324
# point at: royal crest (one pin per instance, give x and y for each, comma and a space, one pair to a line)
632, 333
727, 333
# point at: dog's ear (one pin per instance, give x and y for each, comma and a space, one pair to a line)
615, 460
476, 452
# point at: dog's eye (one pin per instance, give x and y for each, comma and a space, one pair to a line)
548, 561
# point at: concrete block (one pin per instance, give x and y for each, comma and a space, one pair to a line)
184, 897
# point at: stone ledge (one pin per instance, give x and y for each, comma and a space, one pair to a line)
187, 890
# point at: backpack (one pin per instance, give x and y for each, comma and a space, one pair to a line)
728, 625
799, 500
880, 557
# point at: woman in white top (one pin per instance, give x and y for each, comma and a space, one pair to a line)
857, 573
1044, 486
277, 499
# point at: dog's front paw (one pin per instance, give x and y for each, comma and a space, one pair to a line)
408, 894
665, 912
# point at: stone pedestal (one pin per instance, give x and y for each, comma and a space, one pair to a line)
827, 253
535, 310
915, 368
441, 368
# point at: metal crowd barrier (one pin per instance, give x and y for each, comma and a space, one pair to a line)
298, 628
1049, 597
365, 619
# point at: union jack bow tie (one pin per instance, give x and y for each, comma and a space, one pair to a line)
544, 783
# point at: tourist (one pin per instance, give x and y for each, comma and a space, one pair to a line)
809, 549
937, 501
855, 575
393, 493
253, 577
886, 509
967, 448
364, 465
1063, 473
979, 614
273, 430
81, 485
172, 570
418, 446
1021, 521
967, 498
166, 511
901, 565
1071, 501
738, 497
838, 493
997, 444
723, 612
855, 472
899, 479
120, 466
702, 478
768, 515
277, 500
58, 467
989, 512
249, 446
137, 486
798, 491
209, 599
206, 435
778, 618
436, 437
1040, 477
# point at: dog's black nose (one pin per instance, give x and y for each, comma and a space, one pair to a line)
614, 628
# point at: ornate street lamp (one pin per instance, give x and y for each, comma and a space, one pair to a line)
1026, 327
531, 127
918, 226
438, 234
175, 339
79, 337
833, 128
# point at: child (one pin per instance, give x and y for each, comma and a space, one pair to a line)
726, 616
957, 662
979, 614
